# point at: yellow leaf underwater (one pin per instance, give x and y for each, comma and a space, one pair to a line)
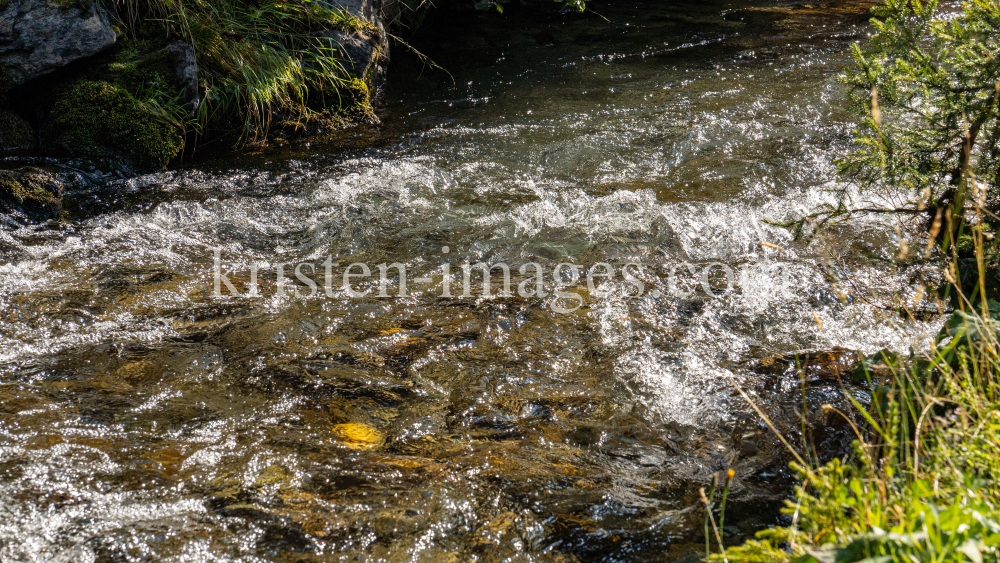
358, 436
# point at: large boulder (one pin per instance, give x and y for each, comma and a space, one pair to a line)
40, 36
104, 120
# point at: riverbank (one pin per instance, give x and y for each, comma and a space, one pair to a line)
921, 483
131, 87
143, 83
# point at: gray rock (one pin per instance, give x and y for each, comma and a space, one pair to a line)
357, 53
187, 73
361, 50
40, 36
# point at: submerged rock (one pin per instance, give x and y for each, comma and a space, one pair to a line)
40, 36
833, 364
358, 436
31, 191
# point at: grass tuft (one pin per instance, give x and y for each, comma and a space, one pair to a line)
261, 59
922, 483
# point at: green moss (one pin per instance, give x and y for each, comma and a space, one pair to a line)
345, 21
359, 91
99, 119
15, 133
142, 64
128, 50
766, 550
157, 70
130, 106
30, 189
353, 95
342, 103
22, 188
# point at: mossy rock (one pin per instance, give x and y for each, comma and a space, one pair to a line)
351, 98
338, 106
96, 118
15, 133
31, 191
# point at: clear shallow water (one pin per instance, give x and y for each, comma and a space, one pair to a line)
144, 419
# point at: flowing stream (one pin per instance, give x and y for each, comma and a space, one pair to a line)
143, 417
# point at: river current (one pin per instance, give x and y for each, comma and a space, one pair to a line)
146, 417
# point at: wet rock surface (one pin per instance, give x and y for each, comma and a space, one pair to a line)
31, 192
